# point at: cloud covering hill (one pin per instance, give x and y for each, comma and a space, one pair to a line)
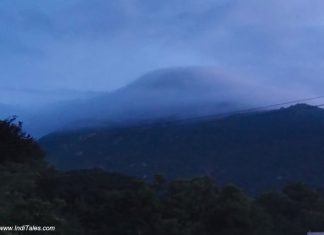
257, 151
166, 93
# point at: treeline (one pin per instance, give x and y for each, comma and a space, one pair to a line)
275, 147
98, 202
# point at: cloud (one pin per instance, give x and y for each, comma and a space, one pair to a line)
103, 45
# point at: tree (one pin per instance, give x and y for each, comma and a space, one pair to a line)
16, 145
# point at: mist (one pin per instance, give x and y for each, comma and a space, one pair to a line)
59, 58
167, 94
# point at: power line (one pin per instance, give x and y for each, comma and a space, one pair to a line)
250, 110
225, 114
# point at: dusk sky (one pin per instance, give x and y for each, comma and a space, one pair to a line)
52, 49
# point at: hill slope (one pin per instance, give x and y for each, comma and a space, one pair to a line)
256, 151
167, 93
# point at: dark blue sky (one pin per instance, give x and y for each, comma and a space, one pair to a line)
64, 48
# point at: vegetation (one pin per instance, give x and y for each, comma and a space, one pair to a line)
16, 145
275, 147
97, 202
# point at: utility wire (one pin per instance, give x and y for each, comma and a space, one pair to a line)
250, 110
226, 114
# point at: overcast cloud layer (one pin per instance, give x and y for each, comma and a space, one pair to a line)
99, 45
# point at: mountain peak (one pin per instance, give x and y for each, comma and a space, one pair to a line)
303, 107
192, 78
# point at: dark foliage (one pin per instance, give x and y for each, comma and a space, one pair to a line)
16, 145
104, 203
275, 147
92, 202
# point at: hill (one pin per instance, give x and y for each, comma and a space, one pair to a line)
256, 151
98, 202
166, 93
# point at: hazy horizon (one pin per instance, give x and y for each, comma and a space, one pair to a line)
95, 46
60, 53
